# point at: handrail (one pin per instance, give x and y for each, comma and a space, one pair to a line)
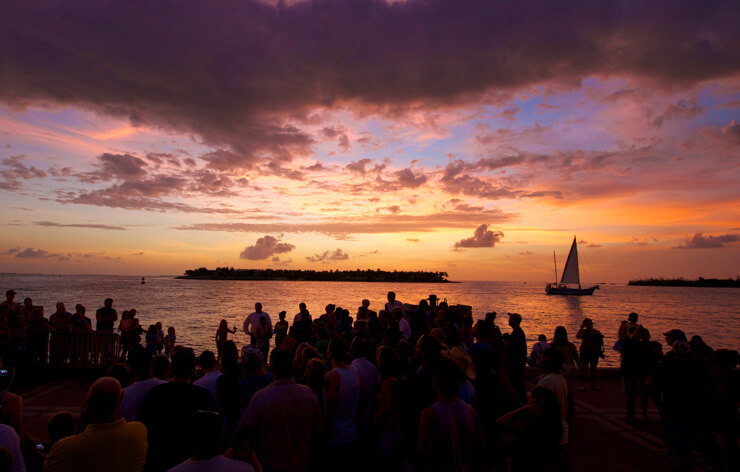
83, 350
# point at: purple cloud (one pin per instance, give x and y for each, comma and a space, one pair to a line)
30, 253
358, 167
260, 66
336, 255
80, 225
699, 241
393, 209
376, 224
407, 178
15, 171
482, 237
265, 247
732, 132
680, 110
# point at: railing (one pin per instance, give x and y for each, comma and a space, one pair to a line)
83, 350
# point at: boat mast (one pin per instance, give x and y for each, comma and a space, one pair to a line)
556, 267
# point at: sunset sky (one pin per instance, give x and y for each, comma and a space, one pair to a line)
472, 137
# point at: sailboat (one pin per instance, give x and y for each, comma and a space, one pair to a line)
571, 276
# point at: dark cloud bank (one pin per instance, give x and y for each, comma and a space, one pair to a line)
699, 241
231, 71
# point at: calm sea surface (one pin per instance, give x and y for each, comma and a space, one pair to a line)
195, 307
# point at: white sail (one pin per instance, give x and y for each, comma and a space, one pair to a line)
571, 274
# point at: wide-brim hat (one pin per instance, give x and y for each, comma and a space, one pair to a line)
462, 360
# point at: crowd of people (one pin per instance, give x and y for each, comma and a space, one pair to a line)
418, 386
24, 329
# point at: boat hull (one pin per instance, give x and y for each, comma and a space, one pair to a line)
552, 290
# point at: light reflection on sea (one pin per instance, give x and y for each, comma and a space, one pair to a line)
195, 307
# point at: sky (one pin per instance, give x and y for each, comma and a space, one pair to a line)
476, 137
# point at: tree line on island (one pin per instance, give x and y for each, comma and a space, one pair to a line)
681, 282
357, 275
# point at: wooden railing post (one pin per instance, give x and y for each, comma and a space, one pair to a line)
82, 350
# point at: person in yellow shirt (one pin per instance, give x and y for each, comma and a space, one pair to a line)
108, 444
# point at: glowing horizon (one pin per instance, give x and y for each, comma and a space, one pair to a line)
291, 138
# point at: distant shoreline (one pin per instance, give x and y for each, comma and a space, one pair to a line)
215, 277
700, 282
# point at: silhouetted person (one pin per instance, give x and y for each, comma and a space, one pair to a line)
449, 431
536, 431
255, 377
108, 444
167, 411
421, 391
60, 426
252, 323
552, 379
387, 416
517, 355
302, 324
285, 418
393, 303
592, 348
133, 396
11, 455
726, 414
106, 316
209, 367
228, 391
369, 375
343, 388
206, 436
686, 384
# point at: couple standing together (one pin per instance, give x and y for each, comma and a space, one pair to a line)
259, 328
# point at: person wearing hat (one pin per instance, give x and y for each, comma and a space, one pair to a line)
464, 362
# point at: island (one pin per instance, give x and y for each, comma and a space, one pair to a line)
681, 282
357, 275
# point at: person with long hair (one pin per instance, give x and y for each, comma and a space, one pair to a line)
535, 431
571, 359
222, 335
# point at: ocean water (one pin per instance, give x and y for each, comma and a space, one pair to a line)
195, 307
